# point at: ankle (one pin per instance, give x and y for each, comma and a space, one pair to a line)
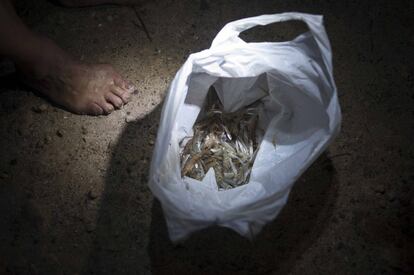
44, 59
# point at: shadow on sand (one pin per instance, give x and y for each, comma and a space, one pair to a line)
131, 234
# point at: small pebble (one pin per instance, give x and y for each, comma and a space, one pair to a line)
151, 142
84, 130
59, 133
379, 188
129, 118
90, 227
40, 109
92, 194
47, 139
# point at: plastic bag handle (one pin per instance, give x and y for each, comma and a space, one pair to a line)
230, 32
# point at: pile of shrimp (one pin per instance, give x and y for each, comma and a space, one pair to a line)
225, 142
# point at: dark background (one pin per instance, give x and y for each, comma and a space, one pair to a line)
77, 201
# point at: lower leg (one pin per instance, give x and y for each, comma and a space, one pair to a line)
16, 38
32, 53
83, 89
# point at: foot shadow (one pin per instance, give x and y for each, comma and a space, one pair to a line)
131, 237
121, 232
221, 251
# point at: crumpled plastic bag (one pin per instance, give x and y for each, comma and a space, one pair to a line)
294, 82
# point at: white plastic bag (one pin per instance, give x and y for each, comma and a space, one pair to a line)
301, 112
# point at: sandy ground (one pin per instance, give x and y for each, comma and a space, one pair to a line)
73, 189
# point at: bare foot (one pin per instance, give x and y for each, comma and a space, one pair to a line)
80, 88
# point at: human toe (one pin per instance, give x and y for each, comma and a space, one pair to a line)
125, 84
92, 109
114, 100
106, 107
122, 93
